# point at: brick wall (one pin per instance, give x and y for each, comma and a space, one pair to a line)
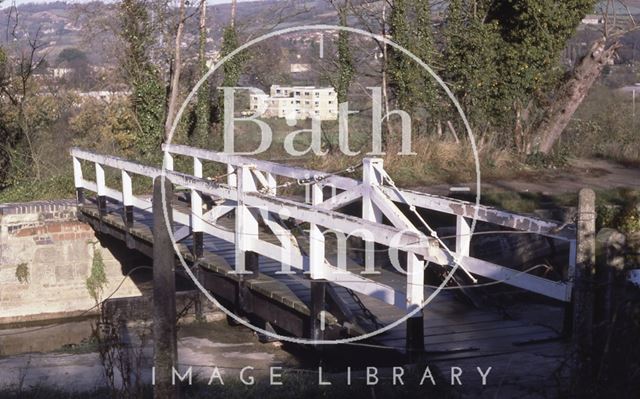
58, 252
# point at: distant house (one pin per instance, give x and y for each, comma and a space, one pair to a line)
104, 95
593, 20
299, 68
297, 102
59, 73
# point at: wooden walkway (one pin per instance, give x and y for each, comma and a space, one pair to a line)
330, 293
452, 329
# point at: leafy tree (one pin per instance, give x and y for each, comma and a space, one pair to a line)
399, 64
77, 60
503, 56
202, 107
424, 48
410, 27
345, 60
149, 92
471, 53
71, 55
232, 69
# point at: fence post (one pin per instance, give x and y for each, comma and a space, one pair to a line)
165, 354
609, 268
583, 295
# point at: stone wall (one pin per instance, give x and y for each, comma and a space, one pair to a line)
46, 239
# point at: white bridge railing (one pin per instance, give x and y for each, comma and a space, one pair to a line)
251, 192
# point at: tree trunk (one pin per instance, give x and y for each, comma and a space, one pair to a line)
573, 92
174, 88
234, 10
202, 108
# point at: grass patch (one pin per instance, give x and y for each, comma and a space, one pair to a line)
54, 188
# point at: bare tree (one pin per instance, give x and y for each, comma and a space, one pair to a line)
17, 88
574, 90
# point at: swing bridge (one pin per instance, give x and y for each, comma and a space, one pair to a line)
349, 258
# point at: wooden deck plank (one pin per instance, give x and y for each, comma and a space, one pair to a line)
452, 329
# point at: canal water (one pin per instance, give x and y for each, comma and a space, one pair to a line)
63, 354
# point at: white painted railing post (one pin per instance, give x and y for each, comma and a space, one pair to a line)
463, 236
197, 222
246, 224
232, 176
373, 177
370, 177
127, 197
273, 184
78, 180
102, 189
415, 299
316, 239
168, 161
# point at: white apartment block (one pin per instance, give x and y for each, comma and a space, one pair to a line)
297, 102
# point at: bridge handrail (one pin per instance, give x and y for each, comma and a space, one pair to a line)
350, 225
419, 199
242, 193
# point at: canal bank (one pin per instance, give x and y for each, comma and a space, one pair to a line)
46, 256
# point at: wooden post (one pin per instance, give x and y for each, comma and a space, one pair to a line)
78, 180
316, 239
318, 300
610, 263
583, 295
102, 189
165, 352
247, 230
370, 177
415, 335
127, 198
609, 270
197, 223
463, 236
197, 235
567, 325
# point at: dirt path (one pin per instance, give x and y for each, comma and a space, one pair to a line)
592, 173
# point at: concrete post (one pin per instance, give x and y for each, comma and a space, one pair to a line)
583, 295
165, 351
